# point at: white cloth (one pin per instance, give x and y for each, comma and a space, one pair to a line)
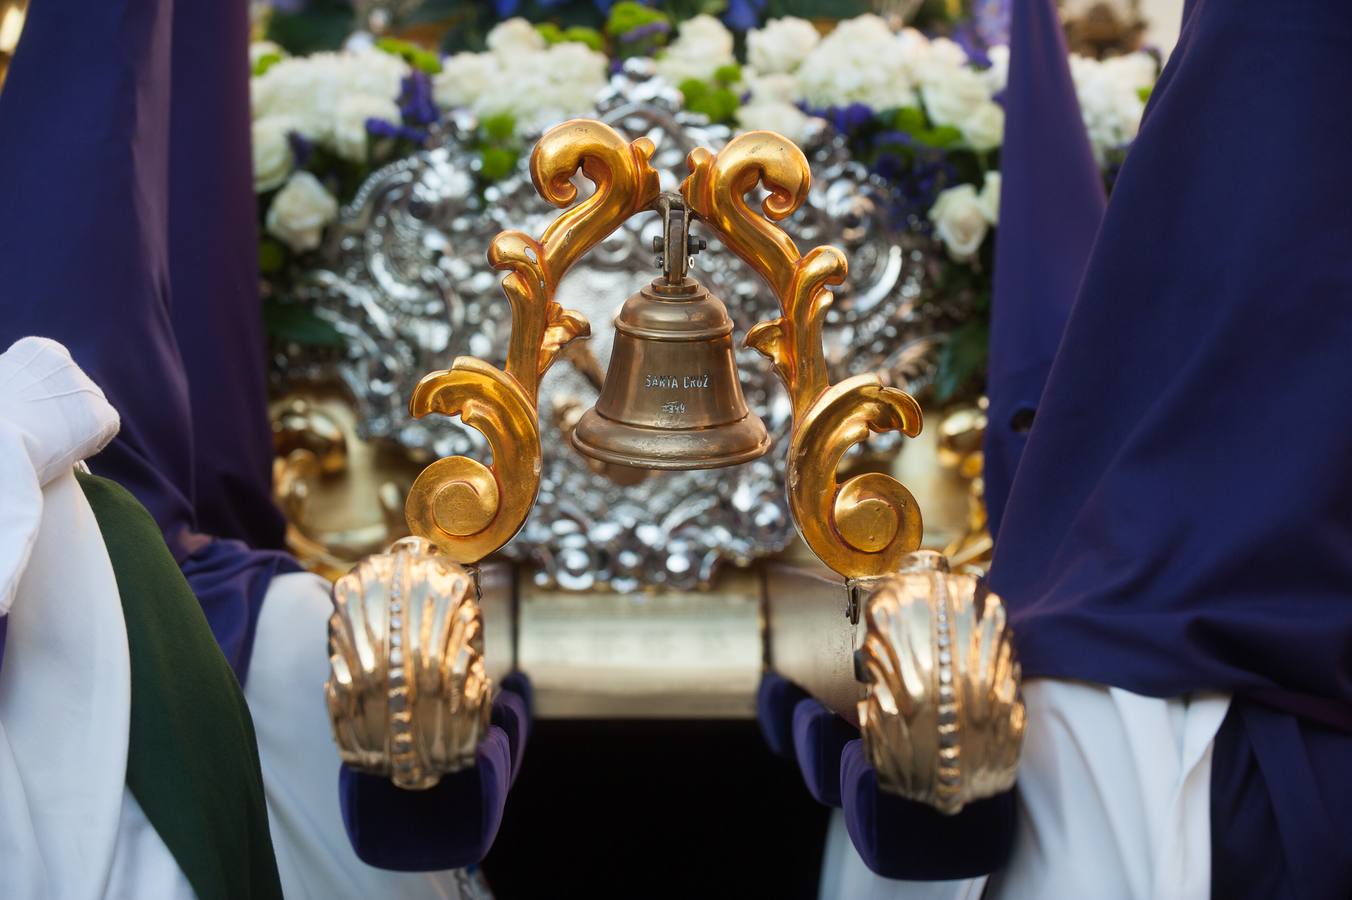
1114, 802
69, 828
285, 690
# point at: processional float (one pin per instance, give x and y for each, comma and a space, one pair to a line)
918, 656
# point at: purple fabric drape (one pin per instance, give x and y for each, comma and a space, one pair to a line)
85, 168
1181, 519
900, 838
213, 274
776, 698
449, 826
454, 823
819, 735
1051, 203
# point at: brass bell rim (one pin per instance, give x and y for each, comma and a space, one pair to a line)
670, 337
747, 440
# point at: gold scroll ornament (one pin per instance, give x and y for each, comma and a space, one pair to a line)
863, 527
464, 507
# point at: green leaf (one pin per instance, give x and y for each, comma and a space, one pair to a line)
1144, 93
909, 119
322, 25
265, 62
580, 34
271, 256
298, 323
719, 103
410, 53
943, 137
500, 127
693, 90
497, 163
963, 359
728, 75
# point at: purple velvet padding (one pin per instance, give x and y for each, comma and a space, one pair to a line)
819, 735
509, 714
775, 699
518, 683
905, 839
446, 827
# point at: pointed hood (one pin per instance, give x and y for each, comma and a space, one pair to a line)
1051, 203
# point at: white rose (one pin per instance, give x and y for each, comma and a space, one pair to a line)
865, 30
272, 157
1135, 70
781, 46
702, 47
997, 76
984, 129
959, 221
947, 52
705, 34
1109, 96
464, 78
989, 198
301, 89
953, 94
515, 37
576, 73
777, 88
858, 62
359, 41
372, 72
309, 89
913, 44
546, 88
300, 211
349, 126
783, 118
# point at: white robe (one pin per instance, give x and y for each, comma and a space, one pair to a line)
285, 690
1114, 800
69, 827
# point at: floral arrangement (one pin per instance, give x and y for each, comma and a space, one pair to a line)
923, 112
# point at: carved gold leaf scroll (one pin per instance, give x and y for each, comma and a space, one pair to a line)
464, 507
863, 527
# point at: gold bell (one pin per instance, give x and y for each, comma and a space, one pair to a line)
672, 398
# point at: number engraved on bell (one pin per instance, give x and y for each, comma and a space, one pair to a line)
685, 382
674, 407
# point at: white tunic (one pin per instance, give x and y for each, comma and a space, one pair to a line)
285, 690
69, 828
1114, 802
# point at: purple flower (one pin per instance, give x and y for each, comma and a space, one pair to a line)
646, 31
973, 44
991, 19
847, 119
415, 100
743, 15
381, 128
300, 148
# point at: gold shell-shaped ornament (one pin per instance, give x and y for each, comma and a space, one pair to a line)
407, 693
943, 718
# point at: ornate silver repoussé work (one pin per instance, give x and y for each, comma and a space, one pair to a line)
407, 283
